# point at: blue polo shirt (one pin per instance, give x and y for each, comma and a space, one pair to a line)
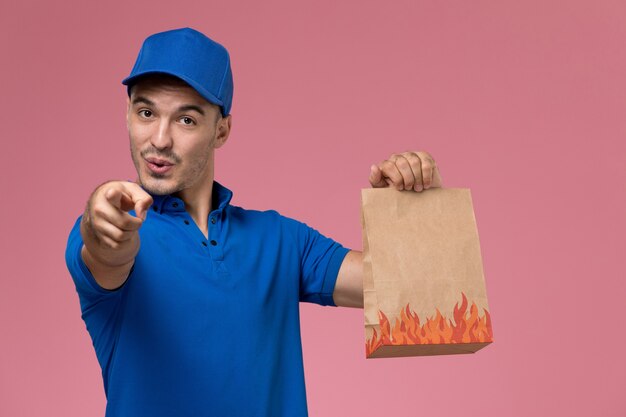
208, 327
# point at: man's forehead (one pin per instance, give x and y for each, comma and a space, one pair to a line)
150, 89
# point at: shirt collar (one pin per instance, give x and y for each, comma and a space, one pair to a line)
221, 197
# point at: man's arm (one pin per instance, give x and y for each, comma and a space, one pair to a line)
110, 234
349, 286
415, 171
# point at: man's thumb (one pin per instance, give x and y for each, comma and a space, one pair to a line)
142, 206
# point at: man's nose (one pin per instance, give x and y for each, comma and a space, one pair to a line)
162, 138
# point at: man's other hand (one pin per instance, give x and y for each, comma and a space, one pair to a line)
406, 171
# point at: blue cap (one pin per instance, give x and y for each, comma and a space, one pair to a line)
191, 56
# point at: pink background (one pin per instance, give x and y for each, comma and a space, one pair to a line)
523, 102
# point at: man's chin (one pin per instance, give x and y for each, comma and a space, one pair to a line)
157, 186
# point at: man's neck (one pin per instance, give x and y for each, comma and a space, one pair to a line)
198, 203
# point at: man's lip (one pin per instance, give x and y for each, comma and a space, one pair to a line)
159, 161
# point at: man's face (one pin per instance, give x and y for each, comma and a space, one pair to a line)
173, 133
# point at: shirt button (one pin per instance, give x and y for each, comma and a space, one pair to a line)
174, 204
154, 208
212, 220
204, 243
214, 243
186, 221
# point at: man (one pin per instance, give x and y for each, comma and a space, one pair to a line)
191, 302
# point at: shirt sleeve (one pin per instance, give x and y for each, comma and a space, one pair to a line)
320, 260
99, 307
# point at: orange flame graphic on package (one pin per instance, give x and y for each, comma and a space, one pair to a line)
468, 327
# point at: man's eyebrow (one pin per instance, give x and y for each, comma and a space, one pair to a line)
181, 109
143, 100
190, 107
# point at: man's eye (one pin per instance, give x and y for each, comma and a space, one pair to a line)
145, 113
187, 120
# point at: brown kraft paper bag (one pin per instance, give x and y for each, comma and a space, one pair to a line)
424, 289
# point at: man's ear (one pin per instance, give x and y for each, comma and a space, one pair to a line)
223, 131
128, 111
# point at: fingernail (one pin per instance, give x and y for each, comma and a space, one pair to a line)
418, 188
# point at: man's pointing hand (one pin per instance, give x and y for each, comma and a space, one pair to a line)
110, 233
